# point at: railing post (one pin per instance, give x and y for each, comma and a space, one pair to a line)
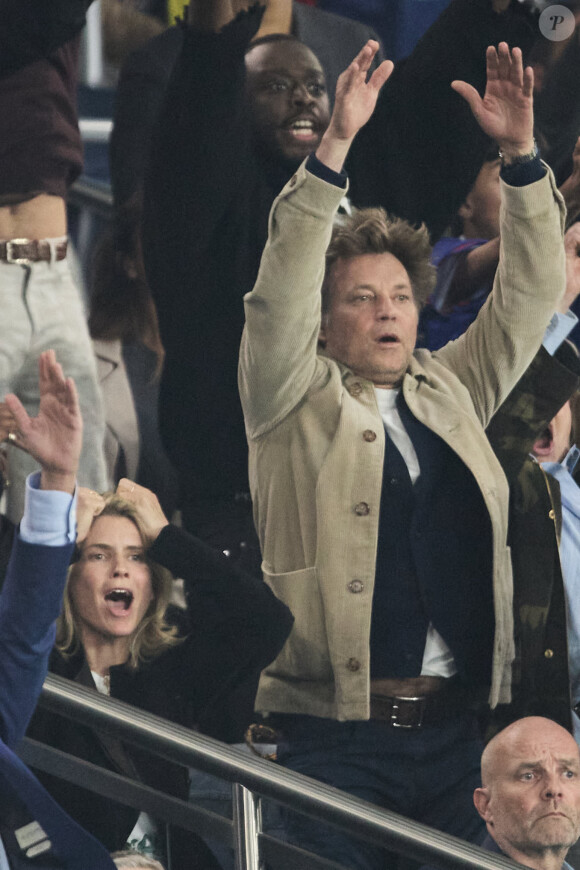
247, 826
92, 65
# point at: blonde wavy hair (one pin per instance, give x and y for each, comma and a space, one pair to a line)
153, 635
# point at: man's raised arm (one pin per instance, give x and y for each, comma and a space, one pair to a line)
280, 340
498, 347
32, 593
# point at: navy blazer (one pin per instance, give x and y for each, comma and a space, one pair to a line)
35, 831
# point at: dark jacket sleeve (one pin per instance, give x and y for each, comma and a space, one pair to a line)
138, 97
237, 627
547, 384
229, 593
29, 605
420, 153
201, 148
31, 29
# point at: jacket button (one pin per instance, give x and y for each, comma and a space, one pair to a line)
353, 665
362, 509
355, 389
356, 586
552, 515
369, 435
549, 653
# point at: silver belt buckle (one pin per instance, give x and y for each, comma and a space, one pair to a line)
10, 258
395, 713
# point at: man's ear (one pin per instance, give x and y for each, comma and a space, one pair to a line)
481, 799
466, 210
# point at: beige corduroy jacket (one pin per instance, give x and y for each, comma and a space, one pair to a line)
316, 473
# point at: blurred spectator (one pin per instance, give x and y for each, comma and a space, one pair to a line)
123, 326
540, 418
40, 157
466, 261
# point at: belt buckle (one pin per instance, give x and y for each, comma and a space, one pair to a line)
10, 258
395, 713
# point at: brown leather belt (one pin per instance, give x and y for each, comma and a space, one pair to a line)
23, 251
415, 712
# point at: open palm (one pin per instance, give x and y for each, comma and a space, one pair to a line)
506, 112
54, 436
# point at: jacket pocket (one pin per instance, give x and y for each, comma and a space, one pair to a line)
305, 655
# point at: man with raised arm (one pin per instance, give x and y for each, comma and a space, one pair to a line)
34, 830
381, 509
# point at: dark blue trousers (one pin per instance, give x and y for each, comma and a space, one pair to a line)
428, 775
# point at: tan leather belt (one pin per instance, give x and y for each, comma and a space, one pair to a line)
23, 251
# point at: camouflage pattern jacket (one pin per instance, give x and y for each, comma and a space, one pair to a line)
540, 673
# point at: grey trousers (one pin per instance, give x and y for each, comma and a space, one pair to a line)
41, 308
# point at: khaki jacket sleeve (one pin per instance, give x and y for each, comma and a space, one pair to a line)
530, 279
278, 354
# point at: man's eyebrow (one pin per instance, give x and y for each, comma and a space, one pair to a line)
136, 547
284, 71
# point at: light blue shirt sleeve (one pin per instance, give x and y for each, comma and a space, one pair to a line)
558, 330
50, 516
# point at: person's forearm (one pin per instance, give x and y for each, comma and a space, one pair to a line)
125, 29
58, 481
333, 151
277, 18
477, 268
201, 132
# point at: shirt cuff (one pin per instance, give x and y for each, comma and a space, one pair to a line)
322, 171
49, 515
520, 174
558, 330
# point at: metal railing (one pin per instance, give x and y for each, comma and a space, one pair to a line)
252, 778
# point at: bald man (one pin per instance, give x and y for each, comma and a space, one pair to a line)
530, 794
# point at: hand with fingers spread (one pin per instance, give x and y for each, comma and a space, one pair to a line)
506, 112
54, 437
354, 104
150, 512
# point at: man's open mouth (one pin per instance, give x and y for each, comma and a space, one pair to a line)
543, 444
302, 128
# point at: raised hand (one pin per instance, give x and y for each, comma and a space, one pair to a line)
89, 505
150, 512
354, 104
506, 112
54, 437
213, 15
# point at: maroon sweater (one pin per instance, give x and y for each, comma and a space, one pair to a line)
40, 144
